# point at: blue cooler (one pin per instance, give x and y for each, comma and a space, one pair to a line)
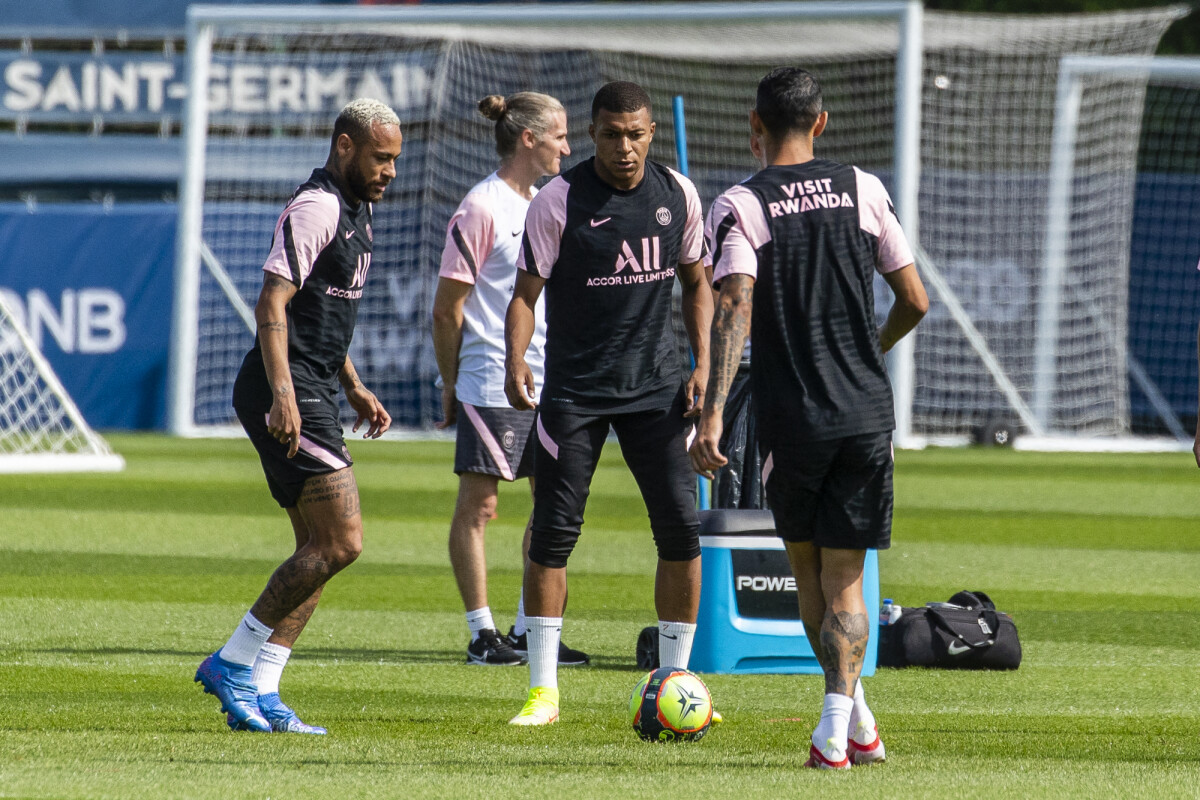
749, 619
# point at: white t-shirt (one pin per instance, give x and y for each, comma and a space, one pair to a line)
482, 243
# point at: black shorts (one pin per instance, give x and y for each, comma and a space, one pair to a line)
494, 441
654, 443
322, 449
835, 494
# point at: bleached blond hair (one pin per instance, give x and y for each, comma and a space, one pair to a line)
358, 117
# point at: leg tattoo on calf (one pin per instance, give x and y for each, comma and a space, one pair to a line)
291, 626
844, 640
295, 581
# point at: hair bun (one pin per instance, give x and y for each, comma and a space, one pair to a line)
493, 107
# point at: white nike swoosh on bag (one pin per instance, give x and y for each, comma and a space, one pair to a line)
596, 223
956, 649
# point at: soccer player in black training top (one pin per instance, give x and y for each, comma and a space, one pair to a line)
286, 398
799, 244
606, 240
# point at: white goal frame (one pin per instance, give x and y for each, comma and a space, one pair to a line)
202, 22
1073, 70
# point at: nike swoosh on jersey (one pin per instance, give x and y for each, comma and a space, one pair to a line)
516, 233
596, 223
349, 234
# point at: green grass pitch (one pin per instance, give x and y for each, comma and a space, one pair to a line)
113, 587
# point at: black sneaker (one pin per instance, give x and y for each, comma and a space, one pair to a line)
567, 656
493, 650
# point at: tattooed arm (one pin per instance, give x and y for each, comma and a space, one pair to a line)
271, 315
730, 327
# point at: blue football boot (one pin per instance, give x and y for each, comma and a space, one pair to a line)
232, 685
282, 718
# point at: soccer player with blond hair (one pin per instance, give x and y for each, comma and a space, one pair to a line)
475, 284
285, 397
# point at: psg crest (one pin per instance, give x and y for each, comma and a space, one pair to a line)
663, 215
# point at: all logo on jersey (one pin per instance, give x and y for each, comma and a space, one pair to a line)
361, 266
641, 263
360, 271
649, 256
663, 215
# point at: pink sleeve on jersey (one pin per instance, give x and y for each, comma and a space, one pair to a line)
877, 216
304, 229
469, 239
692, 249
736, 230
544, 225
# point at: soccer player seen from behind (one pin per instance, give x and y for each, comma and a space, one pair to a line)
475, 284
286, 398
606, 240
798, 244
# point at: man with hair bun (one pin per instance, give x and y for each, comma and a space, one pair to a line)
794, 252
607, 240
475, 283
285, 397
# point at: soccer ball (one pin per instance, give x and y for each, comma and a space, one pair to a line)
670, 705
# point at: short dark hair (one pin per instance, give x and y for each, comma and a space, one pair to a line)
619, 97
788, 101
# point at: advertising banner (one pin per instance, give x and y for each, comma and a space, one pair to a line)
93, 285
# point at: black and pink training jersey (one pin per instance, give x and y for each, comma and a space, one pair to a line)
322, 244
813, 235
609, 258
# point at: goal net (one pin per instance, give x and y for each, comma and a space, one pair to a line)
1152, 155
982, 107
41, 430
1050, 315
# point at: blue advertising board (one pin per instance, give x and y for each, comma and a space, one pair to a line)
93, 286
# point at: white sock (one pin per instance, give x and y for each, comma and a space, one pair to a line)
544, 636
480, 620
519, 626
862, 721
675, 643
830, 735
247, 640
268, 667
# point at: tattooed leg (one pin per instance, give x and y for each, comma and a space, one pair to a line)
329, 508
290, 628
845, 629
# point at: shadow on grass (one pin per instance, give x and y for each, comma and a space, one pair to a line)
383, 656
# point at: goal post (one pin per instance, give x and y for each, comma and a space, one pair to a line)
1080, 77
248, 143
999, 305
41, 429
955, 113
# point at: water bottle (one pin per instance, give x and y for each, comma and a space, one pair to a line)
890, 613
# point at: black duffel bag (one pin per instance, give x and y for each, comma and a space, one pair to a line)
965, 633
